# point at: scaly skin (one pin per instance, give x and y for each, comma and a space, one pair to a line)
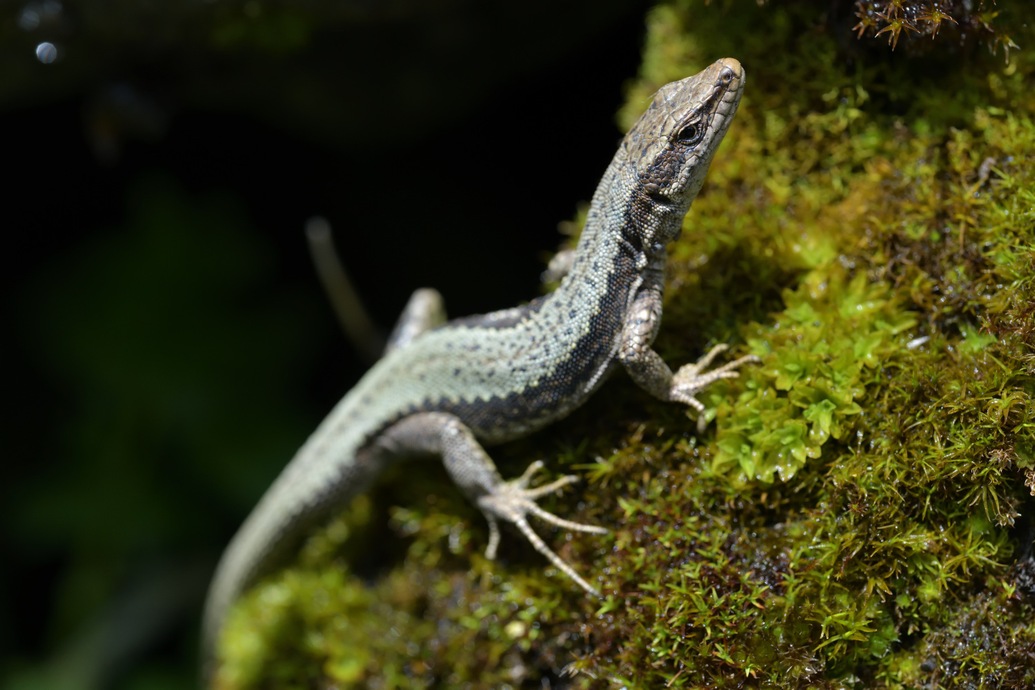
445, 390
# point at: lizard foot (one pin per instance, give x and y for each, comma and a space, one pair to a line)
512, 501
691, 379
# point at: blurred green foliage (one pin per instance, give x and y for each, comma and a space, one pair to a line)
149, 340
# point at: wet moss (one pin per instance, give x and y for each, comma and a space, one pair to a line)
859, 515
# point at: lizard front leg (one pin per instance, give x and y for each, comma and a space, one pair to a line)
424, 311
472, 469
649, 370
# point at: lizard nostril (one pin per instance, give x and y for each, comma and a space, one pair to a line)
726, 76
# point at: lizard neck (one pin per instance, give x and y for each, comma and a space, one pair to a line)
615, 249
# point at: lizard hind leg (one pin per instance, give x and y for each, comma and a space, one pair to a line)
512, 501
471, 468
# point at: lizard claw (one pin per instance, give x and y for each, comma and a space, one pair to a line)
512, 501
691, 379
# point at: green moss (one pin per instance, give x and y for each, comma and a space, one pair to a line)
858, 516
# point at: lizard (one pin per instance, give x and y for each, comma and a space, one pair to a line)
448, 389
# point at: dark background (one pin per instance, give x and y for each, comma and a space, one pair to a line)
166, 344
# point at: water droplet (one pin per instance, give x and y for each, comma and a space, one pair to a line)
29, 18
46, 52
39, 12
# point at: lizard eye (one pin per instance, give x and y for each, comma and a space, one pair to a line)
691, 134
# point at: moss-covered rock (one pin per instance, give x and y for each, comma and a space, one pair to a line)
859, 514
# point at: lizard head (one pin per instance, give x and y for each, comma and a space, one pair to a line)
672, 144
